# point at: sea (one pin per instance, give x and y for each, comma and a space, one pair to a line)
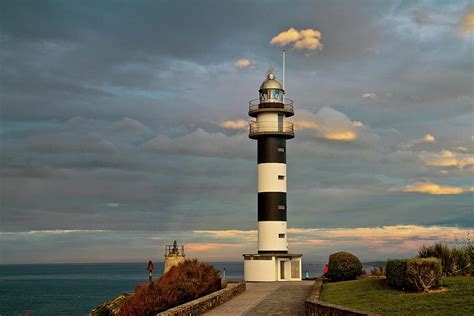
75, 289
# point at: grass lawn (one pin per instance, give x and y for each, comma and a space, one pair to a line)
372, 295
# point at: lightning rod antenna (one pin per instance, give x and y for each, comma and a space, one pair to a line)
284, 69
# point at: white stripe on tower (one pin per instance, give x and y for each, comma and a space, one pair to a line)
271, 177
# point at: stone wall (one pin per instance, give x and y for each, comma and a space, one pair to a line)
205, 303
313, 306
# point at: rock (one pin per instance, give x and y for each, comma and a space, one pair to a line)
111, 307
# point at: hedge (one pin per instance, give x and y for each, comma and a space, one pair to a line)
344, 266
396, 273
418, 274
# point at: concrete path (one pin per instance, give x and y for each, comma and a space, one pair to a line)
269, 298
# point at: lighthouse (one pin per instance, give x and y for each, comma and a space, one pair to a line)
271, 129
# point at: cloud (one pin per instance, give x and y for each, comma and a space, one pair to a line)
55, 232
308, 39
383, 240
428, 17
128, 125
433, 189
428, 138
68, 142
243, 63
369, 95
358, 124
466, 23
329, 124
207, 247
446, 158
202, 143
316, 243
240, 234
239, 124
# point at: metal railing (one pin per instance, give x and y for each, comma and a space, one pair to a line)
255, 105
257, 128
174, 250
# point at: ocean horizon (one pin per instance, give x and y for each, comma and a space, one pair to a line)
76, 288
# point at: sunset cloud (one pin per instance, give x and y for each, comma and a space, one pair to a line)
243, 63
461, 148
329, 124
433, 188
383, 240
378, 241
243, 234
308, 39
447, 158
466, 24
238, 124
428, 138
207, 247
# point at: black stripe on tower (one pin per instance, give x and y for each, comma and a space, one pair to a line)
271, 149
271, 206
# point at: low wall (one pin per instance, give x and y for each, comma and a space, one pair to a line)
313, 306
205, 303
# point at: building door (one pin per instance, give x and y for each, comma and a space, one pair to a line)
282, 270
280, 122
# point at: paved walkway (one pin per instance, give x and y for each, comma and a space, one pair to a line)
269, 298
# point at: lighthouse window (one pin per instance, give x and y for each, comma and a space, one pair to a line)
271, 95
281, 207
281, 177
281, 149
281, 235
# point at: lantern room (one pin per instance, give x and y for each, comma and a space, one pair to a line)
271, 91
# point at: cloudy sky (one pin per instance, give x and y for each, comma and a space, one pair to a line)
124, 126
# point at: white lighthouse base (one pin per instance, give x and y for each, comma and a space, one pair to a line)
270, 267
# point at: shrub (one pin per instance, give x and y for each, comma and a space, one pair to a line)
454, 261
418, 274
378, 271
469, 249
396, 273
423, 274
344, 266
185, 282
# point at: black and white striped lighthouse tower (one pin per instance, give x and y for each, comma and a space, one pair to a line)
271, 130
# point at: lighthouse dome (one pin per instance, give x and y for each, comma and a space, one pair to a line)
271, 83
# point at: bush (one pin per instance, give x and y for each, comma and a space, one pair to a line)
423, 274
378, 271
418, 274
454, 261
396, 273
344, 266
183, 283
469, 249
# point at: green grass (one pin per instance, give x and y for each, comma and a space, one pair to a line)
374, 296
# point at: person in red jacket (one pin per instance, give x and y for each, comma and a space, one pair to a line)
150, 268
326, 270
